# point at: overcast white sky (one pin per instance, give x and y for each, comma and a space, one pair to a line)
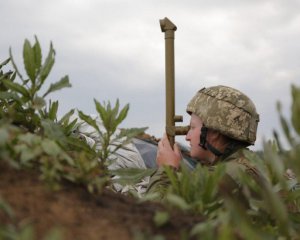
115, 49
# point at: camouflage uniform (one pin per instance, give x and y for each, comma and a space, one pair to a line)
234, 164
231, 113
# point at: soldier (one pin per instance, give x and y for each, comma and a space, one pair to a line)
223, 123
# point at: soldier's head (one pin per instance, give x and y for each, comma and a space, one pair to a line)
223, 119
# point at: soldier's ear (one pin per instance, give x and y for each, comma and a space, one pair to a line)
214, 136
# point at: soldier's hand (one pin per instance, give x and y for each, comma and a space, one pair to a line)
166, 155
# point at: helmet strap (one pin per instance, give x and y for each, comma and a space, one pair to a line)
203, 136
206, 145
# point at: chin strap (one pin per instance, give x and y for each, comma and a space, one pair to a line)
203, 135
206, 145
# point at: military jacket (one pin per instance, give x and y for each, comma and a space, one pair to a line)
234, 164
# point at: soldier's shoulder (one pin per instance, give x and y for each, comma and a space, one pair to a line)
241, 161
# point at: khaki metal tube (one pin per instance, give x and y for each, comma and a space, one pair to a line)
169, 29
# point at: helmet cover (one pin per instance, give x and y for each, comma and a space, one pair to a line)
226, 110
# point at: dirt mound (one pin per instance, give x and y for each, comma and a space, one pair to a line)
79, 214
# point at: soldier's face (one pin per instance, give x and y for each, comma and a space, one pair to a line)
193, 136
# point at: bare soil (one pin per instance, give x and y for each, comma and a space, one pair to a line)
81, 215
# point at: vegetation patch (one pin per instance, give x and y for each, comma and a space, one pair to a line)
52, 177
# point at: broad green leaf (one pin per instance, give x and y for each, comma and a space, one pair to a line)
4, 62
79, 145
5, 75
25, 82
16, 87
37, 54
112, 120
63, 83
70, 126
115, 110
53, 110
50, 147
285, 128
205, 229
123, 114
28, 152
53, 130
9, 96
92, 122
276, 208
173, 177
177, 201
13, 76
131, 175
108, 107
4, 135
284, 124
29, 60
14, 65
66, 117
43, 113
296, 108
278, 141
161, 218
241, 221
30, 139
101, 110
48, 64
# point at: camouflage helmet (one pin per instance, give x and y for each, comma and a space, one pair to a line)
226, 110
